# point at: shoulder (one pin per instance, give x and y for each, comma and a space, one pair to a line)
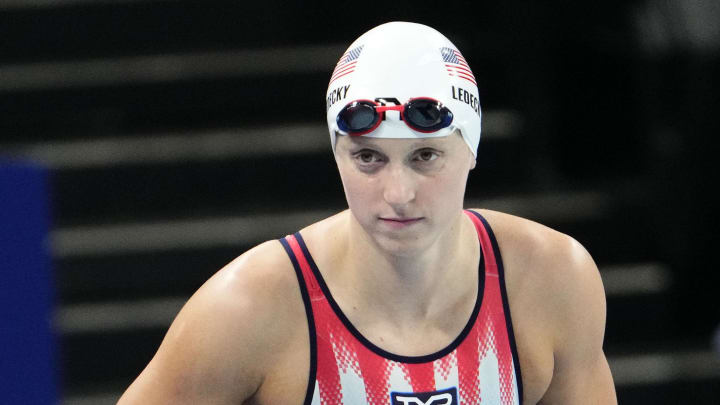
229, 333
254, 297
258, 283
558, 311
534, 248
549, 267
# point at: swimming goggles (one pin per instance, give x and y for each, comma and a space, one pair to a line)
421, 114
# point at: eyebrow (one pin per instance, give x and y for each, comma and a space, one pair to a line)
359, 141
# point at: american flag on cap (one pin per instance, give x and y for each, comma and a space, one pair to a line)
456, 64
347, 62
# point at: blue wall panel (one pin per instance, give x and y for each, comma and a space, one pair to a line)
27, 343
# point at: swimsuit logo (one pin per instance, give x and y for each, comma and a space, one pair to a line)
444, 397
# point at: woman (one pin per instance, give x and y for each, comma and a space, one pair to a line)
405, 298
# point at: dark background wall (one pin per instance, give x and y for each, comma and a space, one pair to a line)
178, 134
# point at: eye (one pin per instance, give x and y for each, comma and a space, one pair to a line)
367, 157
426, 155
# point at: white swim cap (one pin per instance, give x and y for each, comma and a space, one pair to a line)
397, 61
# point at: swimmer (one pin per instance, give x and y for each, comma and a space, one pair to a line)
406, 297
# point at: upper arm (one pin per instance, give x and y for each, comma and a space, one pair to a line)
217, 347
580, 373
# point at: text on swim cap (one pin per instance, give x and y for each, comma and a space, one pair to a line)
336, 95
466, 97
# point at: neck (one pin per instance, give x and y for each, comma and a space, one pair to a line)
412, 284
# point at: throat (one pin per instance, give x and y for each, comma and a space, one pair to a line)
434, 291
418, 290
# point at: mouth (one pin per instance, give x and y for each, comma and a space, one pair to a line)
400, 222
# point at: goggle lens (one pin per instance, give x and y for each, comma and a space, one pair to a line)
357, 116
425, 114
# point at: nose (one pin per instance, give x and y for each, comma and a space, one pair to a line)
399, 187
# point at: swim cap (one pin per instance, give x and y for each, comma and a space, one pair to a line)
397, 61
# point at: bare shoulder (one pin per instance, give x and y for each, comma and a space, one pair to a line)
546, 257
558, 310
228, 335
544, 265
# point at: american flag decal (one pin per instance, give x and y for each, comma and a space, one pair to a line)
347, 62
456, 64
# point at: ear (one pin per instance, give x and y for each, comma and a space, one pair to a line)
472, 157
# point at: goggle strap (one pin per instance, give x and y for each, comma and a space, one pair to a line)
383, 108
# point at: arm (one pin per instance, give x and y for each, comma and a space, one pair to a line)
581, 374
219, 347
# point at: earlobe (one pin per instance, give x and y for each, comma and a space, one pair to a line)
473, 162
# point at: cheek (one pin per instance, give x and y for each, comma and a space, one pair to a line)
359, 190
448, 186
446, 194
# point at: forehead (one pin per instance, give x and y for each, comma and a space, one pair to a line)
443, 142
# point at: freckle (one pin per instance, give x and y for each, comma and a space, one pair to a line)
354, 307
381, 339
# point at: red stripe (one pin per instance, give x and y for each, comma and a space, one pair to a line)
343, 69
332, 80
477, 343
493, 312
375, 371
464, 67
328, 373
461, 69
462, 76
310, 281
468, 365
422, 376
468, 78
341, 65
484, 241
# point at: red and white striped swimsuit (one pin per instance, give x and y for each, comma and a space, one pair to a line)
479, 367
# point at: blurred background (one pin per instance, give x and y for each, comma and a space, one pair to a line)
178, 134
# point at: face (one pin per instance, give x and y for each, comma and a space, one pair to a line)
404, 193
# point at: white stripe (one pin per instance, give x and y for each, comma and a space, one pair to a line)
452, 380
489, 377
168, 67
352, 384
316, 394
399, 380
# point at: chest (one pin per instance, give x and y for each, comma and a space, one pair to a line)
476, 367
371, 380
